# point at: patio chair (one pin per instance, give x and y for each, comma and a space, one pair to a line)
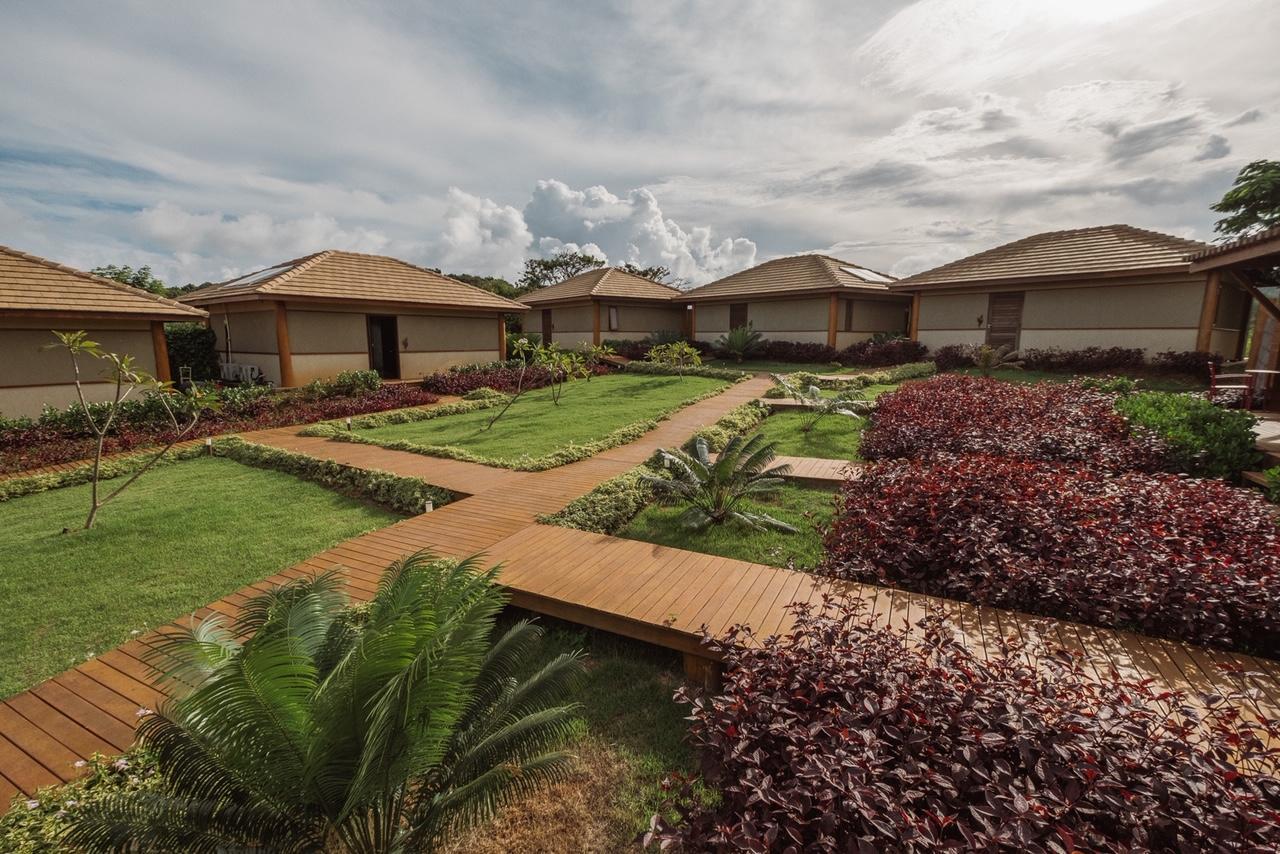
1235, 380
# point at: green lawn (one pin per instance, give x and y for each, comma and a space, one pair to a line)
535, 427
182, 536
806, 508
1150, 382
767, 367
834, 437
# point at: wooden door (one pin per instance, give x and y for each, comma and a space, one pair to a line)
737, 315
384, 346
1004, 319
546, 326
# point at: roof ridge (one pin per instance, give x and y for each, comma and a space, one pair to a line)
826, 269
429, 272
102, 280
672, 288
297, 265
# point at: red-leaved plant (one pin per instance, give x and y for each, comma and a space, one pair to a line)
971, 415
1193, 560
842, 736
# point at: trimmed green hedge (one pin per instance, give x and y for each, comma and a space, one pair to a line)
16, 487
334, 429
742, 419
1201, 438
651, 369
195, 346
408, 495
610, 506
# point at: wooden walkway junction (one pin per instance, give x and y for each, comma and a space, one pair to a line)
652, 593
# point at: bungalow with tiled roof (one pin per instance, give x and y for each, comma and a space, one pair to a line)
314, 317
601, 305
808, 298
1106, 286
38, 296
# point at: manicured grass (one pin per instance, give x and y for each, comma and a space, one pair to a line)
1150, 382
768, 367
534, 426
180, 537
806, 508
834, 437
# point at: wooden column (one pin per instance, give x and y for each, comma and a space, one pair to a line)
161, 347
595, 322
913, 324
282, 346
1208, 311
701, 672
502, 338
693, 322
833, 309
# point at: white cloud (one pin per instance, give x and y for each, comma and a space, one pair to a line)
480, 234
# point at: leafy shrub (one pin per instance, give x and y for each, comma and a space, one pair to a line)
195, 346
740, 343
1111, 385
513, 339
844, 736
1191, 362
798, 351
1200, 438
500, 376
484, 393
629, 349
713, 491
953, 356
1192, 560
1046, 421
1086, 360
610, 506
894, 351
740, 419
654, 369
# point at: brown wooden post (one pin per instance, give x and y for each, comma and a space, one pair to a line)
913, 324
282, 346
1208, 311
502, 338
693, 321
702, 672
595, 323
161, 347
833, 308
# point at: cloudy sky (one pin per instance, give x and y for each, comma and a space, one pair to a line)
211, 139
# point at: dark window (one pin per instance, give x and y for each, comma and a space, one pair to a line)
613, 318
737, 315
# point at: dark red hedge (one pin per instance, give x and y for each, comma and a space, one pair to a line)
879, 354
1192, 560
959, 414
843, 737
39, 444
500, 376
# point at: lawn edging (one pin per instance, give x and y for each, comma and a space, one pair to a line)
570, 453
736, 421
408, 495
610, 506
707, 371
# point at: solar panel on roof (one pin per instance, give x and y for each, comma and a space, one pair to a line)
261, 275
867, 275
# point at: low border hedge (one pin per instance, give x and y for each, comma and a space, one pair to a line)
610, 506
652, 369
741, 419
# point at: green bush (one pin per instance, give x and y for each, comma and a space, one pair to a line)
484, 393
332, 429
195, 346
35, 825
1110, 385
653, 369
409, 495
16, 487
610, 506
1202, 439
738, 421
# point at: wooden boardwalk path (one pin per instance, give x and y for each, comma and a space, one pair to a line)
652, 593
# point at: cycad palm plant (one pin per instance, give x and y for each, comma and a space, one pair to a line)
849, 403
740, 342
714, 490
379, 732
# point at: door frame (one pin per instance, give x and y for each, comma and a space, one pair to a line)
392, 371
991, 301
548, 326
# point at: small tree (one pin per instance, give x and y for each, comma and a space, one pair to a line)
677, 355
714, 491
597, 355
740, 342
127, 378
1253, 202
852, 404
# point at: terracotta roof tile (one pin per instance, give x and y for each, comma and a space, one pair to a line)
30, 283
796, 273
1266, 236
605, 282
1077, 252
340, 276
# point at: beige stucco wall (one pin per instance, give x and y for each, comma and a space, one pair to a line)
571, 326
253, 339
711, 321
415, 365
636, 322
781, 320
324, 366
442, 333
328, 332
1154, 317
32, 377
